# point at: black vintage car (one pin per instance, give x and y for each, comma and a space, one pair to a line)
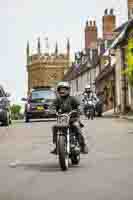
5, 111
38, 104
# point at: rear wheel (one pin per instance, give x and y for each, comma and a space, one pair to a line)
63, 155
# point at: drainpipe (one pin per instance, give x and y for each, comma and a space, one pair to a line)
114, 90
124, 93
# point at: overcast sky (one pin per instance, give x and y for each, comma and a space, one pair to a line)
23, 20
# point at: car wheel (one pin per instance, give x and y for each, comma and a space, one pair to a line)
10, 119
6, 122
27, 119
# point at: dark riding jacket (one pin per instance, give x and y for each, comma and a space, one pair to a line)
66, 104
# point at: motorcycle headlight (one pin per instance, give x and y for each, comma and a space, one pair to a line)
90, 102
63, 120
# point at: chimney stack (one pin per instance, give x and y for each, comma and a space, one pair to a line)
109, 24
91, 35
130, 9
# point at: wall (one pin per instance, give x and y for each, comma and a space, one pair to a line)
118, 79
82, 80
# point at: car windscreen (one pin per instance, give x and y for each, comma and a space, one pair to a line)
43, 94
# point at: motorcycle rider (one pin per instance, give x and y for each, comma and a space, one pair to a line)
89, 94
66, 103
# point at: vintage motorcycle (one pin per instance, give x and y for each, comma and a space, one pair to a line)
89, 108
67, 143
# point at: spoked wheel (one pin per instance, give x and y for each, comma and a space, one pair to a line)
63, 155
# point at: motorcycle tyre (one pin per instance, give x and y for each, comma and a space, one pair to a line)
92, 114
75, 159
63, 157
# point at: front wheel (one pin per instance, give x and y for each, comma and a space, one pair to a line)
63, 155
6, 122
92, 114
87, 114
75, 159
27, 119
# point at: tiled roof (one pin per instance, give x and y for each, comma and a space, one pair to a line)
74, 73
120, 28
122, 36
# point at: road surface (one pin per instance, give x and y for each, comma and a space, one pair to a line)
29, 172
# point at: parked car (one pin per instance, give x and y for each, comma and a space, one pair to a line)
38, 104
5, 109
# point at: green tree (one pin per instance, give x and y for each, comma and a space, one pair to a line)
15, 111
129, 73
129, 61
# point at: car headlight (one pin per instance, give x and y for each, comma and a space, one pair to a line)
2, 104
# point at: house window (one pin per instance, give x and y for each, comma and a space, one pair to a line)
77, 85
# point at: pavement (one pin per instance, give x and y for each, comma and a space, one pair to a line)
29, 172
111, 114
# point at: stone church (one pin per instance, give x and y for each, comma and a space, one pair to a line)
44, 69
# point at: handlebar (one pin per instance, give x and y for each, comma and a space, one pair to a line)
69, 114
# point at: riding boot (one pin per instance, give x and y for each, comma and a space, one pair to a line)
84, 148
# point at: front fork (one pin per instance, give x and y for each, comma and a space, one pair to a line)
68, 141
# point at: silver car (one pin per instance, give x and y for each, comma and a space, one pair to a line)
5, 111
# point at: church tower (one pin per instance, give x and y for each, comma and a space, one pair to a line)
45, 69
